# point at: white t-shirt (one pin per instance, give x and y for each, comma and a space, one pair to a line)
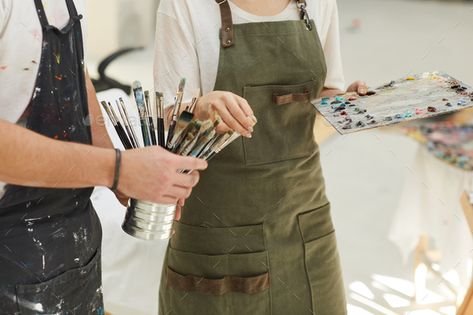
20, 49
188, 44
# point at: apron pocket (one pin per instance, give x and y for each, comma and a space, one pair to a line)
77, 291
285, 128
322, 262
217, 284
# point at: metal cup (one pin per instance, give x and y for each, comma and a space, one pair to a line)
149, 221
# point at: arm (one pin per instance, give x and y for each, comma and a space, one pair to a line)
146, 174
71, 166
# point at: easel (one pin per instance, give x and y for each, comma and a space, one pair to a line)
424, 258
467, 307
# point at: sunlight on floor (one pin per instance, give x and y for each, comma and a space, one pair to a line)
394, 296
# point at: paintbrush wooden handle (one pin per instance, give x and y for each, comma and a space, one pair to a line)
144, 131
161, 140
171, 132
152, 131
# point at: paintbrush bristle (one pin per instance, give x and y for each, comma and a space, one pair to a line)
136, 85
182, 84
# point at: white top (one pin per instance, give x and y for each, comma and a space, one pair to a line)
20, 49
188, 44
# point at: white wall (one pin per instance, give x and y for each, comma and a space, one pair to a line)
115, 24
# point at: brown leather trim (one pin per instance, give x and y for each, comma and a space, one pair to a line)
222, 286
289, 98
226, 32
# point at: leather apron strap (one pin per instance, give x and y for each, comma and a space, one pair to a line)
227, 34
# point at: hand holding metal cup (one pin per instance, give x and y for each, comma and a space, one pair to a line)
187, 136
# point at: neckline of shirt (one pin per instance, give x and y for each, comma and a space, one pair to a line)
286, 14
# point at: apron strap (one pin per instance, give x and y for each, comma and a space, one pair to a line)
304, 16
226, 32
71, 7
41, 14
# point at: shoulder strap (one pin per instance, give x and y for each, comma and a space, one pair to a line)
302, 5
226, 32
41, 13
71, 7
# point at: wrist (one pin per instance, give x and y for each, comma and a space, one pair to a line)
116, 171
104, 168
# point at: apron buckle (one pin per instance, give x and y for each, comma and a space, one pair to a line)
304, 16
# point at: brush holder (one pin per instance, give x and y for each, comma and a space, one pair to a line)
149, 221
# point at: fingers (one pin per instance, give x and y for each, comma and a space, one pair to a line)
246, 108
359, 87
230, 121
186, 180
177, 215
223, 127
188, 163
362, 88
179, 192
234, 108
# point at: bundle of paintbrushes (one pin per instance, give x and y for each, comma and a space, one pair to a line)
187, 136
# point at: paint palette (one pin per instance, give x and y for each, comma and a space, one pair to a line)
410, 98
447, 141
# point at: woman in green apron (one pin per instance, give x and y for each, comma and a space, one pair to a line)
256, 236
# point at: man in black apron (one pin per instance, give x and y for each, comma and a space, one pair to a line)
50, 238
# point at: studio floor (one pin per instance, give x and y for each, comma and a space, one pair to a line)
365, 173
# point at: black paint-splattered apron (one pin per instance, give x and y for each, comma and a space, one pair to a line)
256, 236
50, 238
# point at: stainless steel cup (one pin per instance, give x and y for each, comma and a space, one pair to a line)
149, 221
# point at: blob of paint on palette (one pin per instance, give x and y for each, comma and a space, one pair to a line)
412, 97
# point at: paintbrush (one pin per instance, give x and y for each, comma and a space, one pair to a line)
118, 128
149, 112
216, 144
159, 99
222, 145
188, 138
131, 129
205, 128
204, 139
126, 123
177, 107
126, 141
140, 103
184, 119
209, 145
191, 108
182, 135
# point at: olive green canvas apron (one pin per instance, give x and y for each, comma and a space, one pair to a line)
256, 236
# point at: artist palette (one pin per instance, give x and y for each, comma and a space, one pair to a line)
414, 97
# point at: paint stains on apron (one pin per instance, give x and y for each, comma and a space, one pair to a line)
50, 238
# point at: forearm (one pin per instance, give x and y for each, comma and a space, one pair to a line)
100, 136
29, 159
